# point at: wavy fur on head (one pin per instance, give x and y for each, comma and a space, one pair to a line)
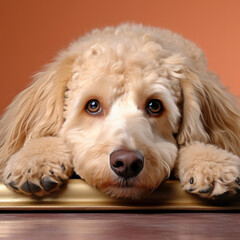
48, 130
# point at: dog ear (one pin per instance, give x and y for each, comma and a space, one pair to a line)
210, 113
38, 110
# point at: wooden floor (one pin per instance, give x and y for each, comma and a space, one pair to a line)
114, 226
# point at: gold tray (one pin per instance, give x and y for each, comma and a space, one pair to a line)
78, 195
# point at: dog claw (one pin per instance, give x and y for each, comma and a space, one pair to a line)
48, 184
63, 167
9, 175
191, 180
30, 187
220, 179
63, 180
207, 190
221, 196
237, 190
238, 180
12, 185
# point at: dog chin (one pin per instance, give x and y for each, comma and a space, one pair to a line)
127, 192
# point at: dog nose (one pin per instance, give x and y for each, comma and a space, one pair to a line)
126, 164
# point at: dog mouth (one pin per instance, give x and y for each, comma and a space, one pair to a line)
120, 183
124, 183
125, 189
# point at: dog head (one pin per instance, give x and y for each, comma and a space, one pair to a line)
121, 114
124, 99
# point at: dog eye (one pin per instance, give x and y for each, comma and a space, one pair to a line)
154, 107
93, 107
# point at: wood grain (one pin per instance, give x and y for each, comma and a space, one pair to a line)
114, 226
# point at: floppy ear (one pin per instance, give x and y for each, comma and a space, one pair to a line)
38, 110
210, 113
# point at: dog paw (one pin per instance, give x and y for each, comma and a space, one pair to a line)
210, 187
208, 171
38, 169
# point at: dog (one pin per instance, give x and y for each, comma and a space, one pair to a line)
123, 107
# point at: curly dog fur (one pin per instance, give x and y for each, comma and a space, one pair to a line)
123, 107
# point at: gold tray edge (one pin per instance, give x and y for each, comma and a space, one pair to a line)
78, 195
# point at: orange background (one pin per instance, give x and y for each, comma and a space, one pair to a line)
31, 32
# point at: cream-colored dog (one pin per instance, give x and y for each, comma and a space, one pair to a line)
123, 107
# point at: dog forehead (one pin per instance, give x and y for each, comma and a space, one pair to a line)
121, 59
132, 80
119, 68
